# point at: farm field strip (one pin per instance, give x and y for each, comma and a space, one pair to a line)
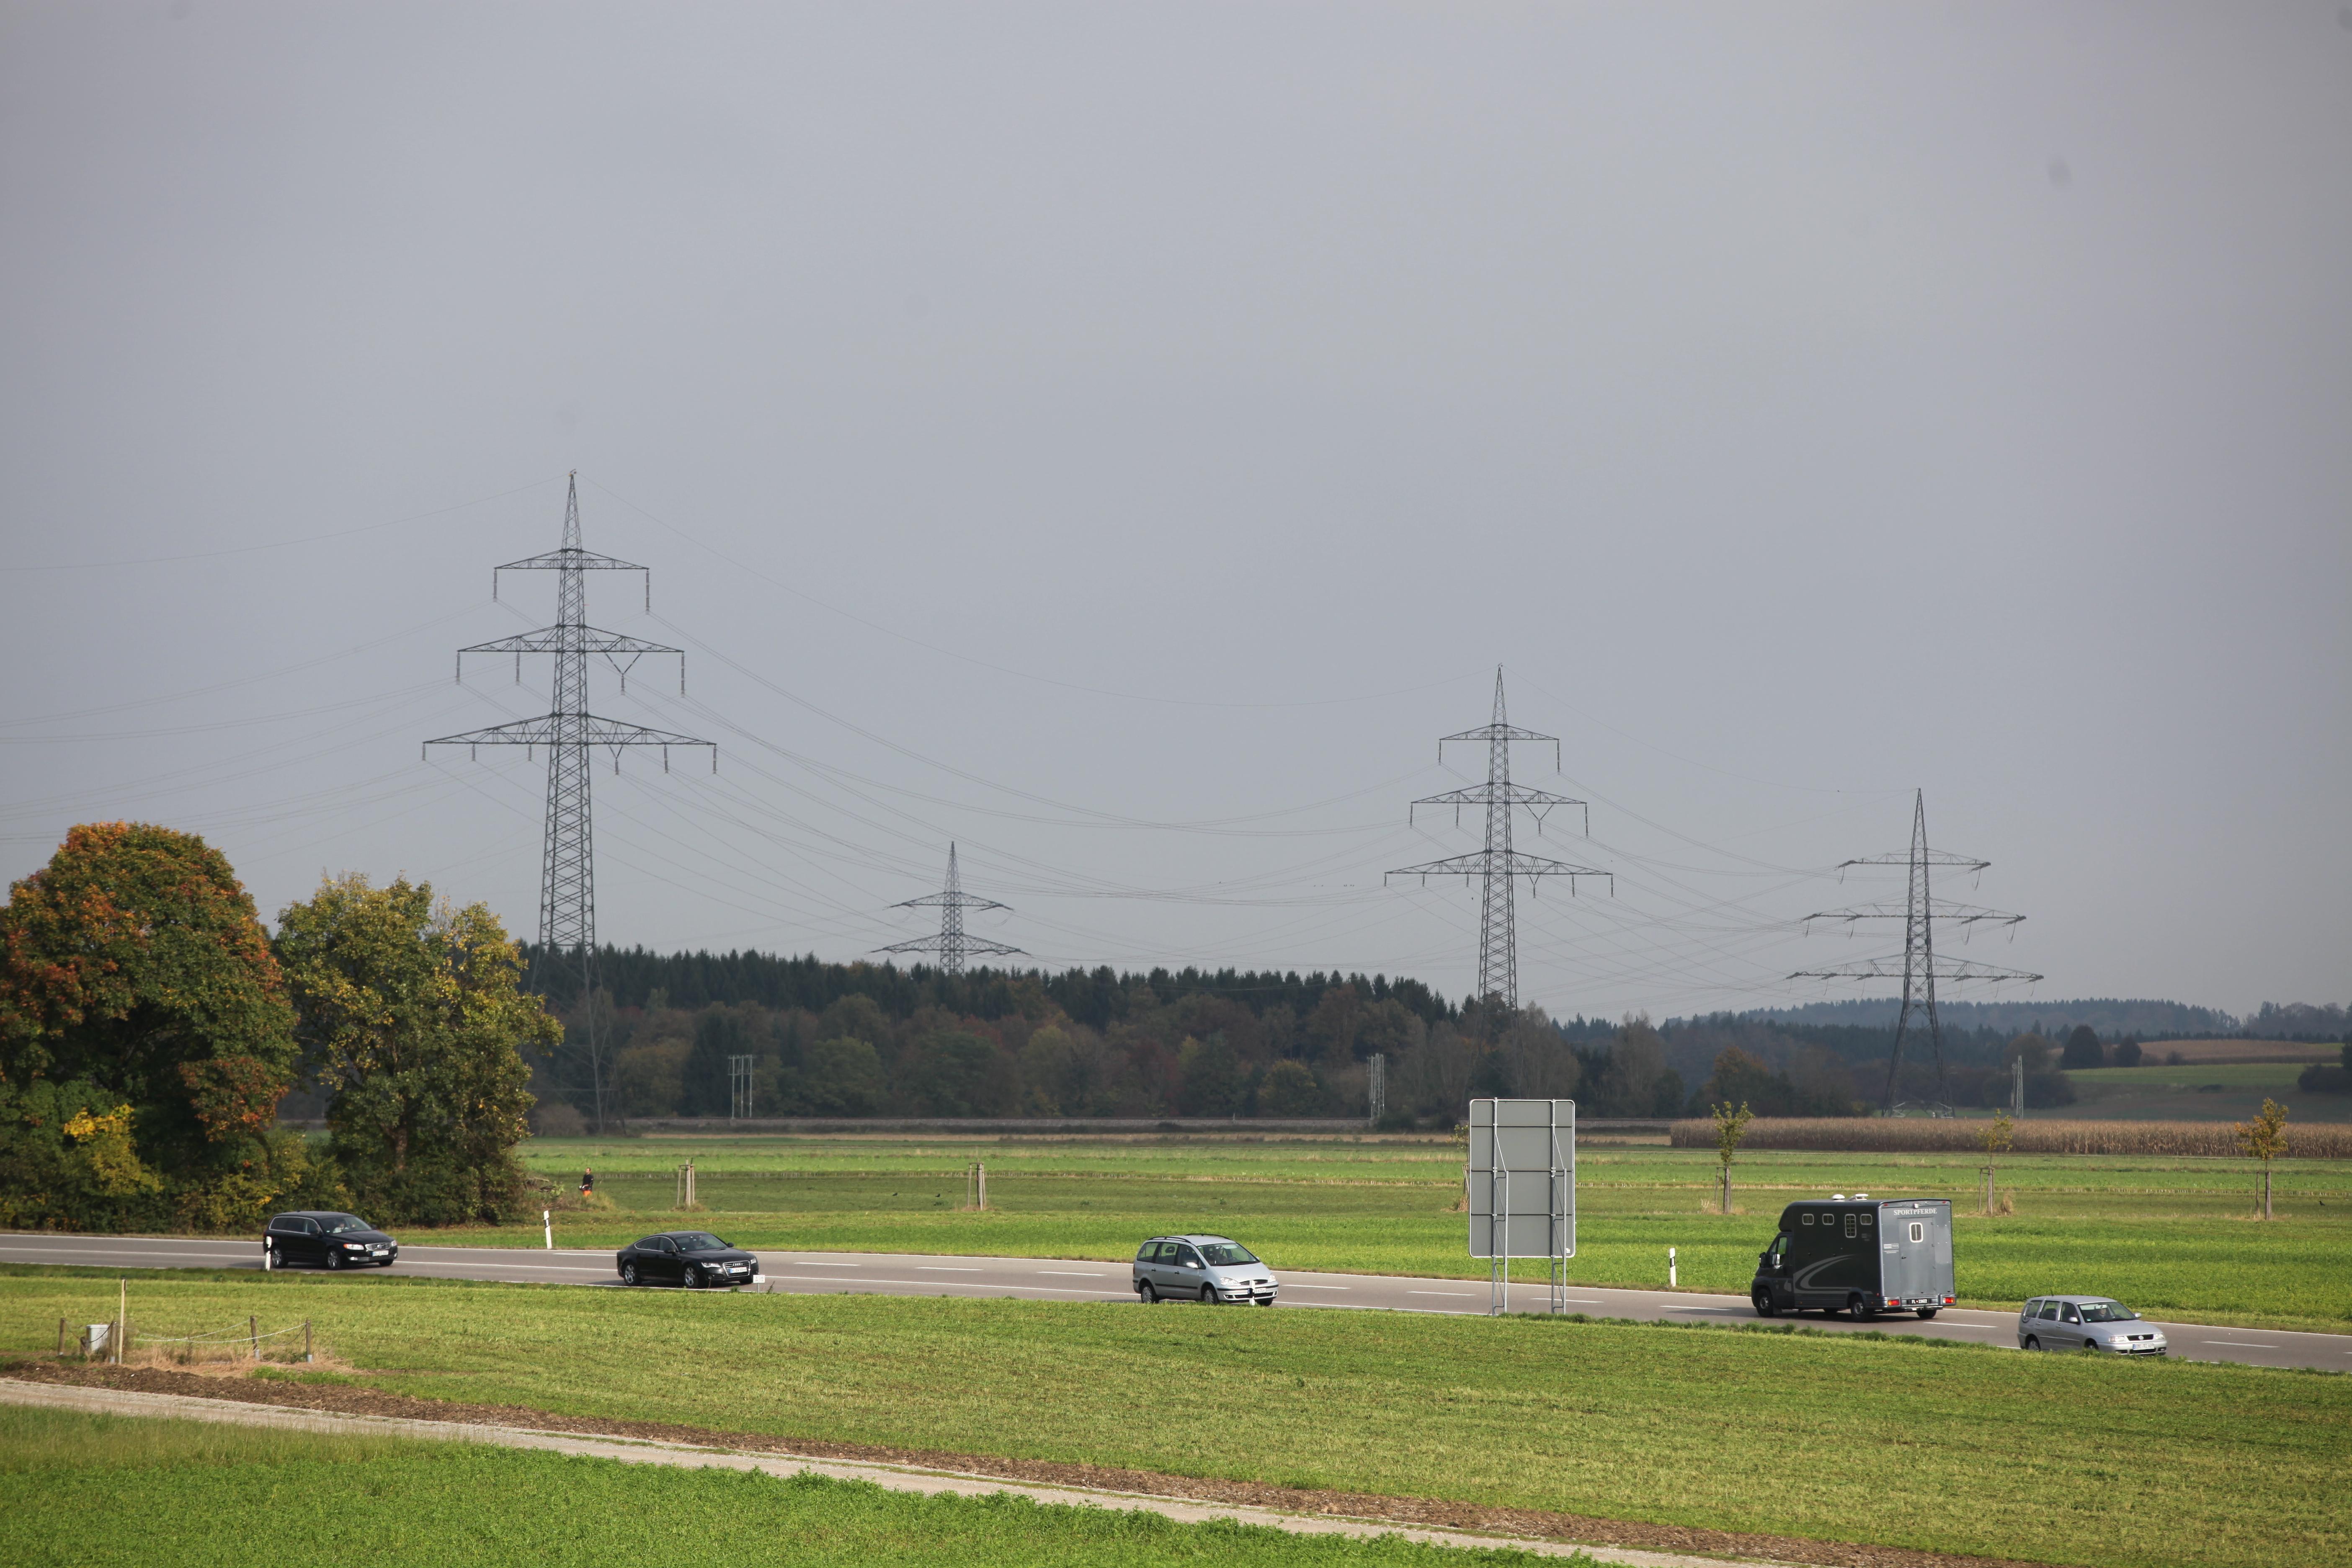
452, 1502
1865, 1439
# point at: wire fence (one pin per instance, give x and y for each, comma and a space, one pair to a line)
115, 1342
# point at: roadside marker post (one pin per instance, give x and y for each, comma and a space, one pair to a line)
1672, 1283
547, 1218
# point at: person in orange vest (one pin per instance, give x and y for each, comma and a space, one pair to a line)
587, 1183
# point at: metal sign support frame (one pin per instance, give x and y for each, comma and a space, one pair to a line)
1560, 1207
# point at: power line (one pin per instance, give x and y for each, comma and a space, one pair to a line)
567, 903
953, 944
1498, 864
1918, 963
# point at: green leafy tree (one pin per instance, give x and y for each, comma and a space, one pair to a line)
2264, 1139
139, 1003
1289, 1089
2082, 1050
411, 1010
1210, 1081
1731, 1126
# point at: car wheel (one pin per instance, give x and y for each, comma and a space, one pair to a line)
1762, 1302
2033, 1344
272, 1257
334, 1261
693, 1278
1856, 1311
1147, 1292
1265, 1300
1929, 1311
1209, 1295
628, 1274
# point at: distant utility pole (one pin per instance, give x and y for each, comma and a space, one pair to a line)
739, 1089
952, 944
567, 897
1497, 863
1917, 965
1376, 1088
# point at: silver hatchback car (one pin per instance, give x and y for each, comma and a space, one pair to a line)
1202, 1268
2087, 1323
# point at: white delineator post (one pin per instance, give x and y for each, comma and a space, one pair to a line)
547, 1218
1672, 1282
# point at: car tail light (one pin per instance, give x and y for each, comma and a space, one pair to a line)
1948, 1300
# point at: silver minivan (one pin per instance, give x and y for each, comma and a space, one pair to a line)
1202, 1268
2087, 1323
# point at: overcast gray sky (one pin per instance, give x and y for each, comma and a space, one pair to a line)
1123, 438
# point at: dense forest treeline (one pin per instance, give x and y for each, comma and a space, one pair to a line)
868, 1039
865, 1039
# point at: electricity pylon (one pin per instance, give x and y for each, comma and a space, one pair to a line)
1918, 965
567, 897
1498, 863
952, 944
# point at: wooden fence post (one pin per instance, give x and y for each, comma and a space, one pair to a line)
253, 1328
306, 1341
61, 1336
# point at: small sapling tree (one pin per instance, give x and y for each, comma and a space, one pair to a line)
1731, 1126
1998, 1136
2264, 1139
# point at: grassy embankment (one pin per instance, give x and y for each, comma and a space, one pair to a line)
88, 1491
1903, 1442
2173, 1237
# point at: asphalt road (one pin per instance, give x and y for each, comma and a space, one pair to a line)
1059, 1280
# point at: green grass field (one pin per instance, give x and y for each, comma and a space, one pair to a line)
1903, 1442
2174, 1236
85, 1490
2227, 1091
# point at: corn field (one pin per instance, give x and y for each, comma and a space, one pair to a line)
1868, 1134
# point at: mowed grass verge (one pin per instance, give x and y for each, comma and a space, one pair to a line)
1901, 1442
85, 1490
2174, 1236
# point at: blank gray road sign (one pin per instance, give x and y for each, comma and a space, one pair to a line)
1522, 1178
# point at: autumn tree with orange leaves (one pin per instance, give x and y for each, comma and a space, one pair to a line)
146, 1038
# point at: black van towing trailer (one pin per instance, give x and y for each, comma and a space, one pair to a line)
1859, 1255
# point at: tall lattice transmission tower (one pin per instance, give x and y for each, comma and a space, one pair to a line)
953, 944
1917, 965
567, 897
1498, 864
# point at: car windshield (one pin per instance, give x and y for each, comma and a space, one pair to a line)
2108, 1312
700, 1241
336, 1224
1225, 1254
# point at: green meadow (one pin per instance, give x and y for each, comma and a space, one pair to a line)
81, 1491
1902, 1442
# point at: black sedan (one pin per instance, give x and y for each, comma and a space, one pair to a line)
693, 1259
331, 1239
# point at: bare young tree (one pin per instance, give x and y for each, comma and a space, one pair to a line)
1998, 1136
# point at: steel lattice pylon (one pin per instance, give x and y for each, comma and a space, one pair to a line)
952, 944
1919, 968
1497, 864
567, 898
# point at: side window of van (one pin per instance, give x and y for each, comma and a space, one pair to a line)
1918, 1231
1809, 1219
1143, 1254
1849, 1225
